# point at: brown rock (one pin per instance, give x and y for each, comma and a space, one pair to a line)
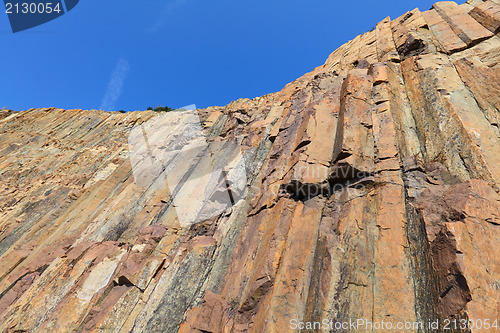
443, 32
488, 14
468, 29
373, 193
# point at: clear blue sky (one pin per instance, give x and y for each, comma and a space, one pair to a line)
134, 54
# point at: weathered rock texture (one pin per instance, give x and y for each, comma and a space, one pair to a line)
373, 194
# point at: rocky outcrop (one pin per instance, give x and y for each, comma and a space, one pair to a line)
372, 193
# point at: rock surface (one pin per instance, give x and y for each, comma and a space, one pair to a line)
373, 193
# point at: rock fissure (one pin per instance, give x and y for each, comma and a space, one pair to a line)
372, 193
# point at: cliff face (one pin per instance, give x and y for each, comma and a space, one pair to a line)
373, 194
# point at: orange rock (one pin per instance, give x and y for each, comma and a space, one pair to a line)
488, 14
373, 193
468, 29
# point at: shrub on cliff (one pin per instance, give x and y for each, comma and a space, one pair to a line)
160, 108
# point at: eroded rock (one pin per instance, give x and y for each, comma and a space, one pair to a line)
370, 191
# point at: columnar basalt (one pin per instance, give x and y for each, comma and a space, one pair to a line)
373, 193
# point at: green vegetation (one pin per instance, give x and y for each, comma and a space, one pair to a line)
160, 108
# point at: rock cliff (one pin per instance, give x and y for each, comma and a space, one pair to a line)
372, 194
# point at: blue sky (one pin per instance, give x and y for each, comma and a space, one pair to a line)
129, 55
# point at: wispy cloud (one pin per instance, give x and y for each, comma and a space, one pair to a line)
115, 85
166, 10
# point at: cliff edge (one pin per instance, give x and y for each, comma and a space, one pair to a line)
371, 195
